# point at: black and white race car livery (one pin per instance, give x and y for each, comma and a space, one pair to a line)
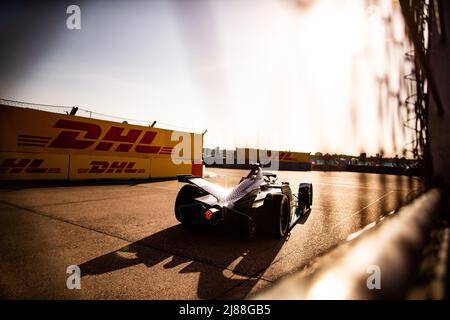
258, 203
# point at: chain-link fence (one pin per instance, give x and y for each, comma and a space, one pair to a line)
82, 112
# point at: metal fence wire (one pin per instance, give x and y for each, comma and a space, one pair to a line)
82, 112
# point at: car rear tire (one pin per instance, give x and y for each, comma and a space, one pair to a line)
277, 210
186, 195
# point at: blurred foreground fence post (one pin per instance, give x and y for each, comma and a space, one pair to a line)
393, 248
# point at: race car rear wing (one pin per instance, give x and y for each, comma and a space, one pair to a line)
219, 192
186, 178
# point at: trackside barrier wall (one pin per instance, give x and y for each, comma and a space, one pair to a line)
249, 154
298, 161
391, 250
164, 168
39, 145
294, 157
107, 167
26, 166
243, 157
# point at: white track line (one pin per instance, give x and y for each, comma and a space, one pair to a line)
360, 210
345, 186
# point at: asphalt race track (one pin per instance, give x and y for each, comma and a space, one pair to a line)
128, 244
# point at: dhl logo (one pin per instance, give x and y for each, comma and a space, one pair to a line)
113, 167
286, 156
16, 166
82, 135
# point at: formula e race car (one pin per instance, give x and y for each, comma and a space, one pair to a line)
258, 204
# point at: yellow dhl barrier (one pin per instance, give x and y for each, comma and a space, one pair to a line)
96, 167
40, 166
28, 130
287, 156
33, 166
104, 167
166, 168
250, 154
59, 146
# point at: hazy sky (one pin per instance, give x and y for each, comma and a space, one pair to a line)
311, 76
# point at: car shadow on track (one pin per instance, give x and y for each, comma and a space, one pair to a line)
228, 264
19, 185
